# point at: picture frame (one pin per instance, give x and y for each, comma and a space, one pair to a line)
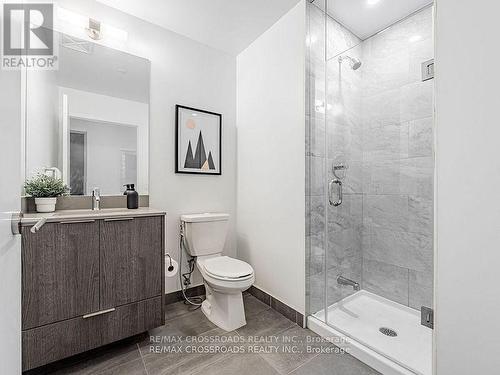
198, 141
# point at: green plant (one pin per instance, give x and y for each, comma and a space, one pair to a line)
43, 186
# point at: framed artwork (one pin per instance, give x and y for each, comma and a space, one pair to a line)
198, 136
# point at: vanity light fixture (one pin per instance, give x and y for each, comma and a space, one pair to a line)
84, 27
94, 29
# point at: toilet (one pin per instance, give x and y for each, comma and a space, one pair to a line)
225, 278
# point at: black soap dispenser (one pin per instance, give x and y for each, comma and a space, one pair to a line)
132, 196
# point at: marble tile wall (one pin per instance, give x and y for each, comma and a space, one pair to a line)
397, 110
378, 121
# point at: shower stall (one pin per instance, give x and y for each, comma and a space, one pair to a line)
369, 188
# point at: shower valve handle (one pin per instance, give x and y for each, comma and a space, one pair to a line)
337, 182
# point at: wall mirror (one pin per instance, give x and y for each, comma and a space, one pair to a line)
88, 121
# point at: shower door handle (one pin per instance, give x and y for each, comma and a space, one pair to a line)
338, 183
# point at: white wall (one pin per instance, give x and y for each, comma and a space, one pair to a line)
467, 298
189, 73
271, 158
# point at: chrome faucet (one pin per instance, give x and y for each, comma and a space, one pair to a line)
96, 199
341, 280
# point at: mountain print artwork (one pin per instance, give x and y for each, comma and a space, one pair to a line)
199, 160
199, 138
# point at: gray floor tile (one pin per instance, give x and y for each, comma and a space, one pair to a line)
185, 360
241, 364
121, 360
191, 324
284, 361
334, 364
268, 322
175, 310
253, 305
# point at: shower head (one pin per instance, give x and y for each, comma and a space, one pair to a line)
354, 63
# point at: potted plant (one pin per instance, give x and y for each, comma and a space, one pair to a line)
45, 189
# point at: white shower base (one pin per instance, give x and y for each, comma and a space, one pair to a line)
357, 319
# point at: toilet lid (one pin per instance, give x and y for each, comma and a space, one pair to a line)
227, 267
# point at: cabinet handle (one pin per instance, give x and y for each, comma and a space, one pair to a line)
120, 219
77, 221
98, 313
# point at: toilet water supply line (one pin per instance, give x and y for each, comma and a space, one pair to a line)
195, 301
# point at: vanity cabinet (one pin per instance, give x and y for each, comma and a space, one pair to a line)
87, 283
129, 265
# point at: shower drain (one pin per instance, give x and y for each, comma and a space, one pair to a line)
388, 332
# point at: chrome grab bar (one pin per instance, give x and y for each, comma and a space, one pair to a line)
337, 182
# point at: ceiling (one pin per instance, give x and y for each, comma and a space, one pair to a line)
367, 17
227, 25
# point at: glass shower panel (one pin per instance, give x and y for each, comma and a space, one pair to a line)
370, 183
344, 172
315, 158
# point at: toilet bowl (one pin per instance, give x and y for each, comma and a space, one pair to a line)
225, 278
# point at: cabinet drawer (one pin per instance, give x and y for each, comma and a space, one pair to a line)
55, 341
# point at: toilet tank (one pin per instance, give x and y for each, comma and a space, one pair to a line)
205, 234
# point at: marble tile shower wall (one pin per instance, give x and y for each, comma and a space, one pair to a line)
397, 185
378, 122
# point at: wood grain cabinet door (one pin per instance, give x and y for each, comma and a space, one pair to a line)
131, 260
60, 272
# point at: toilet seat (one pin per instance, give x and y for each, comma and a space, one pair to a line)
227, 268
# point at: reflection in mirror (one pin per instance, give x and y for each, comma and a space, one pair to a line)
90, 119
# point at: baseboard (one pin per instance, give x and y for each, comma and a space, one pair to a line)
174, 297
275, 304
285, 310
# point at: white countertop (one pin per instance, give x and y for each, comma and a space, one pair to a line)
105, 213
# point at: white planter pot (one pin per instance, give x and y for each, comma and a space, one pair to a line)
45, 204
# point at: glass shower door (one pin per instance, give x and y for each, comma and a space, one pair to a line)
344, 214
370, 178
333, 163
333, 166
315, 159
